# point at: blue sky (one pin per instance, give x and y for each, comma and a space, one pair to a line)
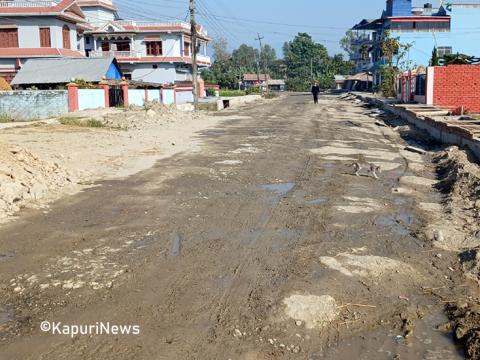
238, 21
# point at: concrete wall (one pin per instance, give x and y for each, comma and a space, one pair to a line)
168, 96
136, 97
184, 96
437, 129
164, 74
154, 95
96, 14
33, 105
91, 99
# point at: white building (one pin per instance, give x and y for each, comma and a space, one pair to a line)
38, 29
158, 52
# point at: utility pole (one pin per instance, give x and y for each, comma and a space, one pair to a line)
259, 39
194, 53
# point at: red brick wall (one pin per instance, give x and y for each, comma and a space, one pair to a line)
456, 86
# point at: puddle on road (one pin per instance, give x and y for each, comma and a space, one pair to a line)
5, 316
399, 223
425, 343
176, 249
316, 201
279, 189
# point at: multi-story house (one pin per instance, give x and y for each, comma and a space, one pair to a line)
158, 52
35, 29
150, 51
449, 28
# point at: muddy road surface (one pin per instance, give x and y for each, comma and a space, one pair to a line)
263, 244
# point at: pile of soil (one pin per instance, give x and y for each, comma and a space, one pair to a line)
466, 326
459, 179
25, 178
152, 114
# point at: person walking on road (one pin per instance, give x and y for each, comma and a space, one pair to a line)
315, 92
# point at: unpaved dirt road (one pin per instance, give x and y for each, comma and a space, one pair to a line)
261, 245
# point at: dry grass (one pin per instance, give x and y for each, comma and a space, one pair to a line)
81, 122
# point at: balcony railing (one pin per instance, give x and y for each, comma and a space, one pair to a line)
26, 4
135, 54
185, 25
203, 58
116, 54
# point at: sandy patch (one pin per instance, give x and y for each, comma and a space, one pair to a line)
245, 150
359, 205
382, 154
446, 237
417, 181
313, 311
230, 162
364, 265
431, 207
42, 162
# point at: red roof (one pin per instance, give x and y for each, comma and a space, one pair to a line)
65, 8
38, 52
254, 77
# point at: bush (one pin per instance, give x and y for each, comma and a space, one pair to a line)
232, 93
79, 121
270, 95
255, 90
5, 119
211, 92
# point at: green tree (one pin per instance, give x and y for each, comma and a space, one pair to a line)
394, 53
306, 61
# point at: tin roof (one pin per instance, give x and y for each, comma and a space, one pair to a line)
61, 71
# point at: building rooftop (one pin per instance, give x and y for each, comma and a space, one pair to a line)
39, 71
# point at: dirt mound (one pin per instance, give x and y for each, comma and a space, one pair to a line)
466, 325
459, 181
459, 178
25, 178
153, 114
471, 264
314, 311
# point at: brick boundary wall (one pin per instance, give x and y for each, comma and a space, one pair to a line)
457, 86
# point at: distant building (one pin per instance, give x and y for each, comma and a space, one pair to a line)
424, 28
276, 85
158, 52
38, 29
251, 80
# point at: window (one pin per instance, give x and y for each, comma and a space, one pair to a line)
154, 48
87, 40
186, 48
444, 50
105, 46
66, 37
8, 38
123, 46
45, 37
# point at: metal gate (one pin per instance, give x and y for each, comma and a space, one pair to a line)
116, 96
